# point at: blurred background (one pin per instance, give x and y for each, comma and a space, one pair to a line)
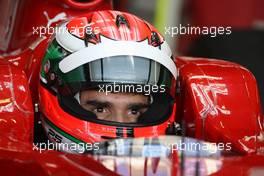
245, 44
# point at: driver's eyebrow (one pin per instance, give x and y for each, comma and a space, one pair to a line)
138, 105
97, 103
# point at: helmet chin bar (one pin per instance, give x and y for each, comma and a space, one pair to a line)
60, 140
174, 129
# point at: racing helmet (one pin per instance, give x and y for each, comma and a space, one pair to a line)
105, 48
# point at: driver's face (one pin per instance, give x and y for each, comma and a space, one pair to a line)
117, 107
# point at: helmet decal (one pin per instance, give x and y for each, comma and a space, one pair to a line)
155, 41
121, 20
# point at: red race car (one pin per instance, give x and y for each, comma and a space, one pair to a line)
85, 90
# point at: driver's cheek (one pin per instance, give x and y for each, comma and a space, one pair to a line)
104, 116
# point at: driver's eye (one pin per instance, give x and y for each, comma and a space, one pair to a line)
99, 110
134, 112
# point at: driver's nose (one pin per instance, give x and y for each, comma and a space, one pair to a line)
119, 116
